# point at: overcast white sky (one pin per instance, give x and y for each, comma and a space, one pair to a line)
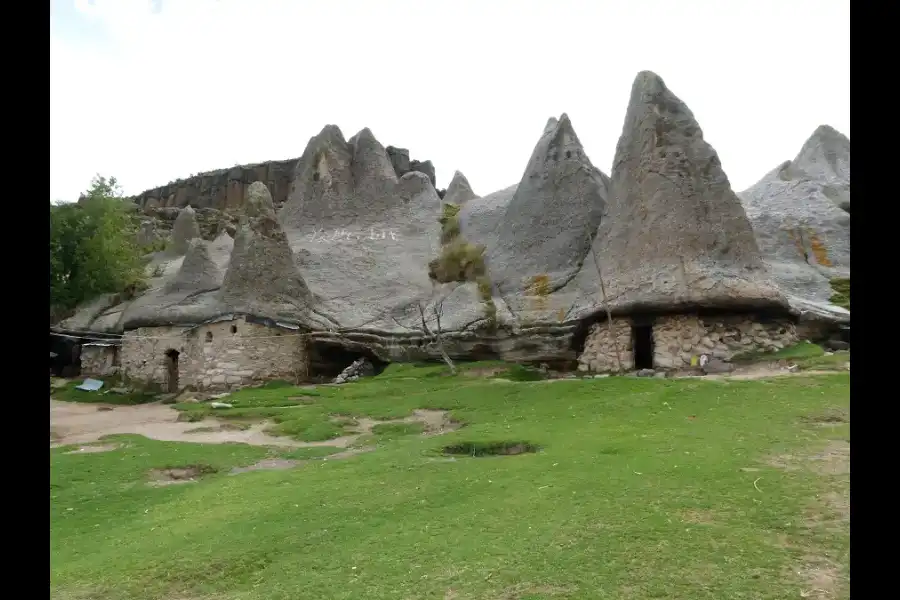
150, 91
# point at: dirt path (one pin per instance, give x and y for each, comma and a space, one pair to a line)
74, 423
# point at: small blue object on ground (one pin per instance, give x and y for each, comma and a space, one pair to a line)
90, 385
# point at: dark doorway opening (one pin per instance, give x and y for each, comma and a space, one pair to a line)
65, 356
642, 345
326, 361
172, 371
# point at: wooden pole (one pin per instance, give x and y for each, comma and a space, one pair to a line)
612, 333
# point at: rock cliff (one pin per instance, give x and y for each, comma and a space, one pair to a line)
800, 216
339, 241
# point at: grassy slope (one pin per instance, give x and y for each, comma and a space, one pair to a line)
607, 510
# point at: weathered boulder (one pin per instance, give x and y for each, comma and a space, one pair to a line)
184, 230
551, 218
675, 234
400, 161
797, 218
258, 201
262, 276
198, 271
459, 191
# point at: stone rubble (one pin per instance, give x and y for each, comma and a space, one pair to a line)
361, 367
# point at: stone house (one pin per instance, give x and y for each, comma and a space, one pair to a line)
677, 341
100, 359
228, 352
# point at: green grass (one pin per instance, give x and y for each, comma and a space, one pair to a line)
391, 431
641, 488
68, 393
311, 453
841, 289
805, 355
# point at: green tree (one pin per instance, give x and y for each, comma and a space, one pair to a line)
93, 248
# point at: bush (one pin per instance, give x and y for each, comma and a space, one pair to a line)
93, 250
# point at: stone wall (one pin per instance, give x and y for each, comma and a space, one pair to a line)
99, 360
599, 354
222, 355
679, 338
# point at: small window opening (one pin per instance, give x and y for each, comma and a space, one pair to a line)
234, 329
315, 176
172, 370
568, 154
642, 344
209, 337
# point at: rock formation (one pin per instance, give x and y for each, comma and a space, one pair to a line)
675, 234
184, 230
553, 214
399, 158
346, 252
258, 201
223, 189
262, 276
157, 223
459, 191
198, 271
364, 237
800, 215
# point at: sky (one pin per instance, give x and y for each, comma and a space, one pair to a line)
150, 91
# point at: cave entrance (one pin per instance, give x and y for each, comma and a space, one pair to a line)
172, 371
327, 360
642, 345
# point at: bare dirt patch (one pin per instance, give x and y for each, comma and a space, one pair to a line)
829, 511
269, 464
484, 371
698, 517
821, 578
176, 475
829, 417
95, 448
833, 460
72, 423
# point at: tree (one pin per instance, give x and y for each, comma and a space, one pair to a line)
93, 249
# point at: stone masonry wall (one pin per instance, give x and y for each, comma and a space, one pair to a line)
223, 355
679, 338
599, 353
99, 361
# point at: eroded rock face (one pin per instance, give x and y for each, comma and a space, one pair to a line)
258, 201
798, 219
363, 236
198, 271
402, 164
459, 191
675, 234
347, 254
552, 216
184, 230
223, 189
262, 277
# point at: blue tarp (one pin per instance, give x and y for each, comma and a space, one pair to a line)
90, 385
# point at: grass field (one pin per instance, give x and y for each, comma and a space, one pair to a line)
639, 488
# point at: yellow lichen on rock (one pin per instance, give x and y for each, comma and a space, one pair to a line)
819, 250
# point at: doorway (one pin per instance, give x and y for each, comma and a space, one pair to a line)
642, 345
172, 371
